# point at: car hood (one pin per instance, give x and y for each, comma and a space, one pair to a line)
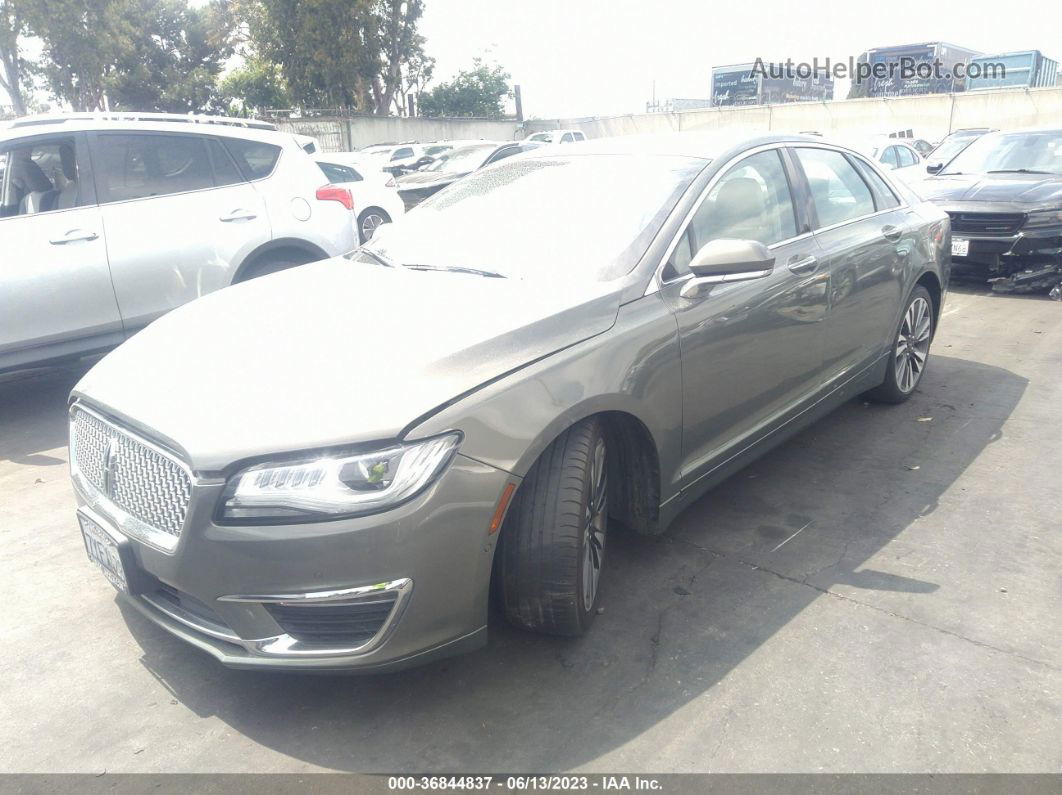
423, 179
1031, 189
331, 353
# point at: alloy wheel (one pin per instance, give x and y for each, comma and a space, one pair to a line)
912, 344
370, 223
595, 525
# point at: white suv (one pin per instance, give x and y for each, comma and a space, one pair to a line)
107, 221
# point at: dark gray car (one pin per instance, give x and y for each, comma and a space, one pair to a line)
327, 468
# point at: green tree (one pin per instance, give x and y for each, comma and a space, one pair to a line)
255, 87
13, 68
480, 91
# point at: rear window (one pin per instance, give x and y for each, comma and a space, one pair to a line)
255, 159
337, 173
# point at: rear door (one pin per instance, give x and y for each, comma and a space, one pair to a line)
178, 214
55, 286
751, 351
864, 235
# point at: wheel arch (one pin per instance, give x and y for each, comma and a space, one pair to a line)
302, 249
931, 282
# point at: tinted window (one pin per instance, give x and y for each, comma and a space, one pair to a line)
225, 171
41, 177
255, 159
907, 157
336, 173
140, 166
579, 136
884, 198
751, 202
503, 153
566, 138
837, 189
404, 152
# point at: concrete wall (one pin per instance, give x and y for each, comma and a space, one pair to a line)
931, 116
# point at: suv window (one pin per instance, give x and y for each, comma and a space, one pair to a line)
138, 166
839, 193
884, 198
225, 171
404, 152
336, 173
41, 176
906, 156
255, 159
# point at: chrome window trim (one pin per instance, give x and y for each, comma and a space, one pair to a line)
658, 282
121, 519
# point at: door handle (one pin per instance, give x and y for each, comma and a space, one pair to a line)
238, 215
891, 232
74, 236
800, 264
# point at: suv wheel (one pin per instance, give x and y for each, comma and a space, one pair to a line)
369, 220
553, 543
910, 350
271, 264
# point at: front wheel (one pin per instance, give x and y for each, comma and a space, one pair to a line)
553, 542
910, 350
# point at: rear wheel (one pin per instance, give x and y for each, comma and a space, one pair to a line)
910, 350
370, 220
272, 263
553, 543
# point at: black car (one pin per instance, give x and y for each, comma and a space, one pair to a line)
951, 146
1004, 196
451, 166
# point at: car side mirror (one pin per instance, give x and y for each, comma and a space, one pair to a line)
728, 261
934, 168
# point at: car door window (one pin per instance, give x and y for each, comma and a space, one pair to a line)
503, 153
566, 138
42, 176
578, 136
402, 154
890, 158
140, 166
838, 192
906, 156
225, 170
884, 198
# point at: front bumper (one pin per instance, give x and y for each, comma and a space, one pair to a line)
417, 577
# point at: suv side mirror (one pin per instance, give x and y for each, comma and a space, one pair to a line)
728, 261
934, 168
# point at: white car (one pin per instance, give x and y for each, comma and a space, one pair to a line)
375, 192
894, 154
557, 137
108, 221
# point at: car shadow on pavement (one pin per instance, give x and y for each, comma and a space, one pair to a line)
33, 412
682, 611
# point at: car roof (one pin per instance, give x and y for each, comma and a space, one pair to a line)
153, 122
705, 146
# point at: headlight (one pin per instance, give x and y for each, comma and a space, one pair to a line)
1042, 218
330, 486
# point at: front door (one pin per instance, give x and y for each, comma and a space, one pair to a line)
55, 287
751, 351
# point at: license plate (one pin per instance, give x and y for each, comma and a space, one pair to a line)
960, 247
103, 551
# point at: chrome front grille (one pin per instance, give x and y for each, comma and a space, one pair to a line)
144, 482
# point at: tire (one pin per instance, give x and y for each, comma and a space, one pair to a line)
553, 541
909, 352
271, 264
371, 217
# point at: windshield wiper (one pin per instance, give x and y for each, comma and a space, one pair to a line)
1020, 171
457, 269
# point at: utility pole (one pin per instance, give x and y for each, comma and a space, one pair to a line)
519, 103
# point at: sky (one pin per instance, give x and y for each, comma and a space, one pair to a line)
593, 58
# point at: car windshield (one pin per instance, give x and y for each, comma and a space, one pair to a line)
951, 147
586, 218
1017, 152
544, 137
463, 160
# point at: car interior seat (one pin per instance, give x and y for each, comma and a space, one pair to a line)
36, 190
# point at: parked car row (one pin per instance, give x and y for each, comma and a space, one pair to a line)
337, 467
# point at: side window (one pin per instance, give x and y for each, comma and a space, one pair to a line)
566, 138
401, 154
225, 171
890, 158
41, 176
578, 136
679, 263
336, 173
501, 154
839, 193
138, 166
906, 156
751, 202
255, 159
884, 198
